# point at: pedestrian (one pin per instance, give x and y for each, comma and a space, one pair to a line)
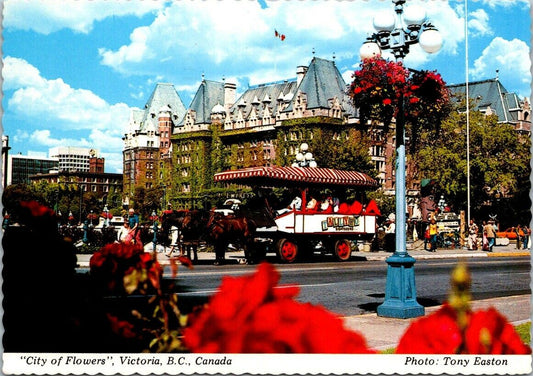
527, 233
519, 236
484, 241
472, 235
490, 233
426, 238
390, 235
433, 232
124, 233
133, 220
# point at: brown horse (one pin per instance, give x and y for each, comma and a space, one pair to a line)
180, 219
193, 230
223, 229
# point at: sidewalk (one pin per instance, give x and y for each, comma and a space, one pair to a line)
384, 333
418, 253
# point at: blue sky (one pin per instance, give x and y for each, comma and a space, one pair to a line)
74, 69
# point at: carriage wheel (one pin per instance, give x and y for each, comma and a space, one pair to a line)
343, 250
288, 250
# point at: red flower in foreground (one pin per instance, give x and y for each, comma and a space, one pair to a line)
487, 332
250, 314
490, 333
121, 327
125, 267
437, 333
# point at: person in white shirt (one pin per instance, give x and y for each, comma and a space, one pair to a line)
296, 204
123, 232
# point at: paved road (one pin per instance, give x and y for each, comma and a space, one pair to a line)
357, 288
500, 279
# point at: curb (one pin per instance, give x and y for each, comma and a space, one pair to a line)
507, 254
429, 257
85, 264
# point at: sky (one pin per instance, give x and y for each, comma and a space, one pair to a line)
74, 69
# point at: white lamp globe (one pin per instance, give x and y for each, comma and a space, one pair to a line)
295, 165
384, 21
414, 15
304, 147
369, 50
308, 156
300, 157
313, 164
430, 40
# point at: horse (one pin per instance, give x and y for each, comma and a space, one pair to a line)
225, 229
193, 230
191, 226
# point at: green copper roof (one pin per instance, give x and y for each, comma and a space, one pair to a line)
322, 82
270, 94
208, 95
163, 95
490, 93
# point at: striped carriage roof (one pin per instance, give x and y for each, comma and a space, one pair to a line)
282, 176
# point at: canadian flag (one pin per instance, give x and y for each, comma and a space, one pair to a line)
278, 35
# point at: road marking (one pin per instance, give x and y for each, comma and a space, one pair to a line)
321, 284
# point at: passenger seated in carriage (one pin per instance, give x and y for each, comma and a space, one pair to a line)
312, 204
296, 204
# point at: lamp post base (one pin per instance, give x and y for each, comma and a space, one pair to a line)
400, 291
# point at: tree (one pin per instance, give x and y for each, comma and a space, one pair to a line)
342, 149
499, 165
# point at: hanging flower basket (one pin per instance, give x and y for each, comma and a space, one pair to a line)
379, 86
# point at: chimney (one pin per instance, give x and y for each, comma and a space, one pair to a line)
300, 73
229, 94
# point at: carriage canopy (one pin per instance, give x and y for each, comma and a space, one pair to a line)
296, 176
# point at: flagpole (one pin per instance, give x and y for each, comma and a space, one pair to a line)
467, 117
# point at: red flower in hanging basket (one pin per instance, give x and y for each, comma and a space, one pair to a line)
379, 86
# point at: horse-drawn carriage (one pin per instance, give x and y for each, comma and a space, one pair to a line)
298, 231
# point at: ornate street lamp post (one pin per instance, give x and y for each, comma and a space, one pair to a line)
397, 33
154, 219
304, 158
106, 216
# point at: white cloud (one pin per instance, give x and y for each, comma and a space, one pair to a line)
506, 3
19, 73
44, 137
54, 100
478, 23
223, 37
512, 60
63, 109
46, 17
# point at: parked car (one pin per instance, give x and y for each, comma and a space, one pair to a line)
509, 233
